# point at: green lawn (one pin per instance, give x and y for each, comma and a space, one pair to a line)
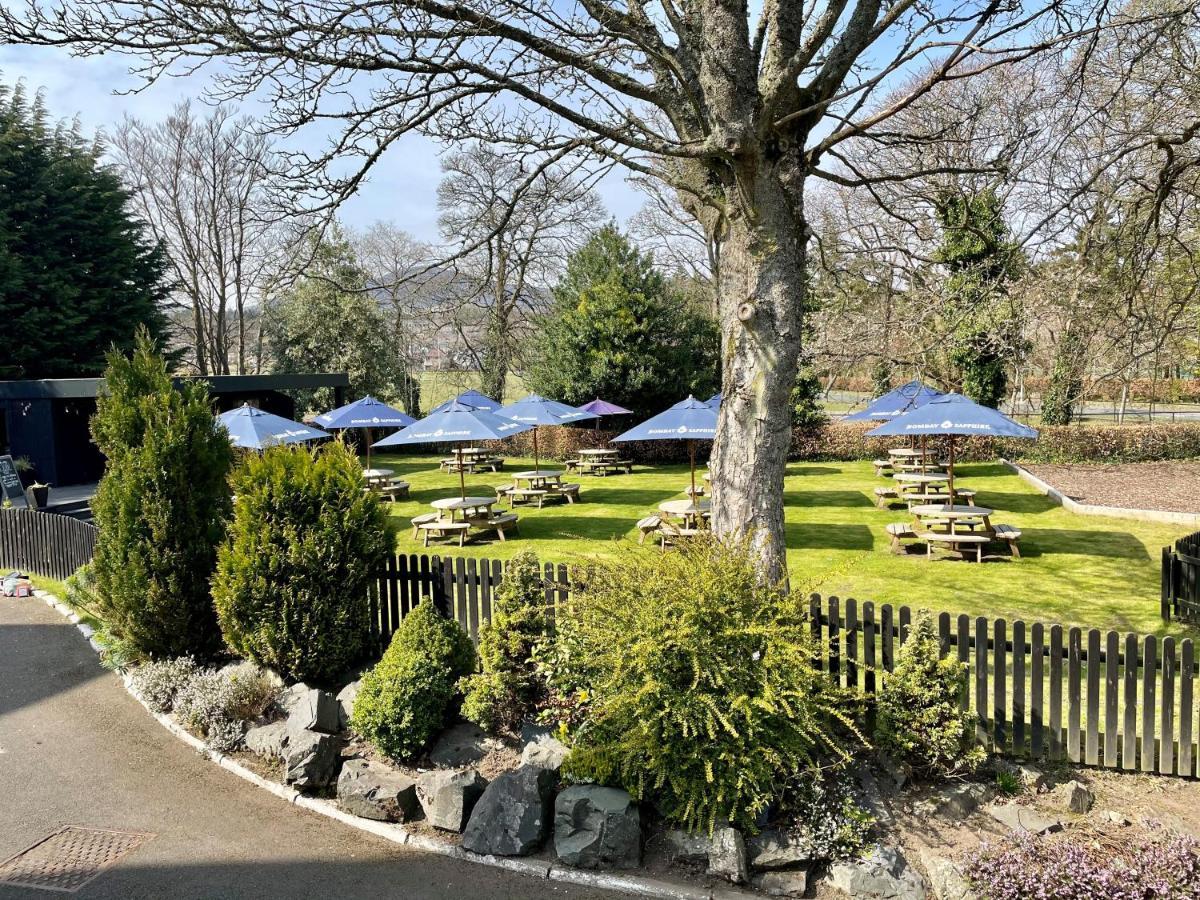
1074, 569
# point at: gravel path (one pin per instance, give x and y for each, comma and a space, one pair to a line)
76, 749
1168, 486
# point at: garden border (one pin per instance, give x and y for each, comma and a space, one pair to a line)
1161, 516
397, 833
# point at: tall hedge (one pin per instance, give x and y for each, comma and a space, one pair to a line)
160, 507
305, 543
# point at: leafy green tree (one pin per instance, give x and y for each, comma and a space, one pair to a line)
329, 322
807, 411
617, 330
980, 260
78, 274
160, 507
306, 543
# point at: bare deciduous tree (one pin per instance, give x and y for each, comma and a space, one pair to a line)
748, 108
203, 184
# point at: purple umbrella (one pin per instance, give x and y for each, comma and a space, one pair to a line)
600, 407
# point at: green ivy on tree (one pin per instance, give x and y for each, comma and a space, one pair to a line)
618, 330
160, 507
980, 260
78, 274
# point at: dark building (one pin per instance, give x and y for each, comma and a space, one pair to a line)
47, 421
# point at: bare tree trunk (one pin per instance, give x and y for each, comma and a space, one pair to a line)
761, 303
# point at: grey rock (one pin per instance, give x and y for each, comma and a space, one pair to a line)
449, 797
1079, 797
545, 752
727, 856
597, 826
1033, 778
459, 745
898, 771
783, 883
773, 849
314, 710
513, 816
872, 797
1114, 817
311, 759
883, 875
686, 847
946, 879
960, 800
345, 701
374, 791
289, 697
1023, 818
267, 740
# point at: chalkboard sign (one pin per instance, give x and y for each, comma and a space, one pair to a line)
10, 482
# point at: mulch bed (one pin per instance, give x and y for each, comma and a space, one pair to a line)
1168, 486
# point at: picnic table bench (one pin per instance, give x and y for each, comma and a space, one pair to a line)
444, 528
955, 542
498, 523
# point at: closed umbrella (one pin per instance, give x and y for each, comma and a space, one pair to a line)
471, 398
456, 425
366, 413
954, 415
688, 420
535, 410
252, 429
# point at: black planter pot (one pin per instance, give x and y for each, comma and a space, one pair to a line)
40, 494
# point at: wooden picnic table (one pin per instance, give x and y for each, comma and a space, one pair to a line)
538, 478
915, 478
476, 451
469, 507
600, 452
908, 453
691, 511
952, 515
378, 474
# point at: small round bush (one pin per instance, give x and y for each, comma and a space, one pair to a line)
404, 700
919, 719
159, 683
305, 546
508, 689
703, 693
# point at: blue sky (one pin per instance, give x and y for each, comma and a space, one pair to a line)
402, 188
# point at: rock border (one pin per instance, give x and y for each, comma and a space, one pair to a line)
397, 833
1161, 516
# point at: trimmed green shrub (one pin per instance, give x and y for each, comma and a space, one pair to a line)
703, 693
306, 543
160, 508
508, 689
404, 700
918, 716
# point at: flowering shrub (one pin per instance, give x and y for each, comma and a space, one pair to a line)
919, 719
703, 693
1027, 865
825, 816
217, 702
158, 683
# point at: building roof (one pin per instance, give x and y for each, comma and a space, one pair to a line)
88, 388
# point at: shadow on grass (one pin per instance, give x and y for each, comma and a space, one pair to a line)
1111, 544
826, 498
828, 536
801, 469
1007, 501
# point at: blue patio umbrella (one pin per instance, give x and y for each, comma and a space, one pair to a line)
471, 398
535, 410
895, 403
455, 425
716, 399
252, 429
366, 413
953, 415
688, 420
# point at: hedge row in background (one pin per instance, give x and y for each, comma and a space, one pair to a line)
1141, 390
848, 441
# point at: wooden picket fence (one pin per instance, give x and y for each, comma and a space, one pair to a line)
44, 543
1181, 580
1040, 692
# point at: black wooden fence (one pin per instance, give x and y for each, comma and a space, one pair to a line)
1181, 580
44, 543
1041, 692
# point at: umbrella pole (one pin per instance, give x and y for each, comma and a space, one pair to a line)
951, 470
368, 448
462, 479
692, 460
536, 465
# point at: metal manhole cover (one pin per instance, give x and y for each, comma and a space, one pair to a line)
70, 858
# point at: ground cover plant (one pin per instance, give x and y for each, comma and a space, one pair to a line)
1080, 570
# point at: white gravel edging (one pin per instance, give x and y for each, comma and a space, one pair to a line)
1161, 516
392, 831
